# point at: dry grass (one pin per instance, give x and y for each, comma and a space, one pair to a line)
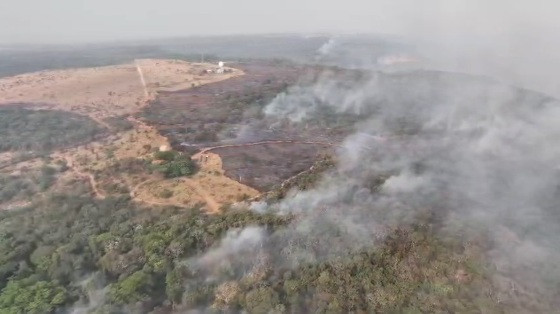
103, 92
209, 186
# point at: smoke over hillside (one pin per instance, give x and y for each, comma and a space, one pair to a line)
479, 155
386, 156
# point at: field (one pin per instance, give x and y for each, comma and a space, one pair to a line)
149, 104
102, 92
114, 139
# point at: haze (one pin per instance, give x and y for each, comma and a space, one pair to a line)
515, 41
32, 21
279, 157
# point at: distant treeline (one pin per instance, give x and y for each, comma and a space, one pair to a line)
347, 51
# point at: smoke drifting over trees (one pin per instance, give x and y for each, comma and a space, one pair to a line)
479, 155
443, 195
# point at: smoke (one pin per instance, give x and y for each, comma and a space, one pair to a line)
237, 248
516, 42
480, 151
302, 102
470, 149
96, 290
327, 47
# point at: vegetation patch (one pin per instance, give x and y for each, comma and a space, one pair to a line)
174, 164
119, 123
48, 249
26, 183
44, 130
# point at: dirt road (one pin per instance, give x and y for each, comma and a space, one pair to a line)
208, 149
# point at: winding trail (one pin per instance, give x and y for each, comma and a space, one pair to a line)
208, 149
213, 206
89, 176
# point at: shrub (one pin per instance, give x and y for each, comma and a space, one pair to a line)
179, 168
175, 164
166, 193
166, 156
44, 130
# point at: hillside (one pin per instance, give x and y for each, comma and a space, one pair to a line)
163, 186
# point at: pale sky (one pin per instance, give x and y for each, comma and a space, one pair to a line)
516, 40
59, 21
95, 20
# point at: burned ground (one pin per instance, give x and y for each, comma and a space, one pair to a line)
199, 114
231, 112
285, 102
267, 165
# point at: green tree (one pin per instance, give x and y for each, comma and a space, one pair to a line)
27, 296
261, 300
166, 155
133, 288
174, 285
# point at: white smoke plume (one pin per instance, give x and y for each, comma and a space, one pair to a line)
239, 246
96, 290
469, 148
480, 151
327, 47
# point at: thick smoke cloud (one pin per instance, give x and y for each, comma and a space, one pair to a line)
516, 42
470, 149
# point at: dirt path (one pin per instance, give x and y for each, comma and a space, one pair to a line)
103, 123
208, 149
160, 203
142, 79
89, 176
14, 205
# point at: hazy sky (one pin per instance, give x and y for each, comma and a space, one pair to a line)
87, 20
516, 40
101, 20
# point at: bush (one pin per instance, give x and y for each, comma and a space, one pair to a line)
175, 164
179, 168
166, 193
166, 156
